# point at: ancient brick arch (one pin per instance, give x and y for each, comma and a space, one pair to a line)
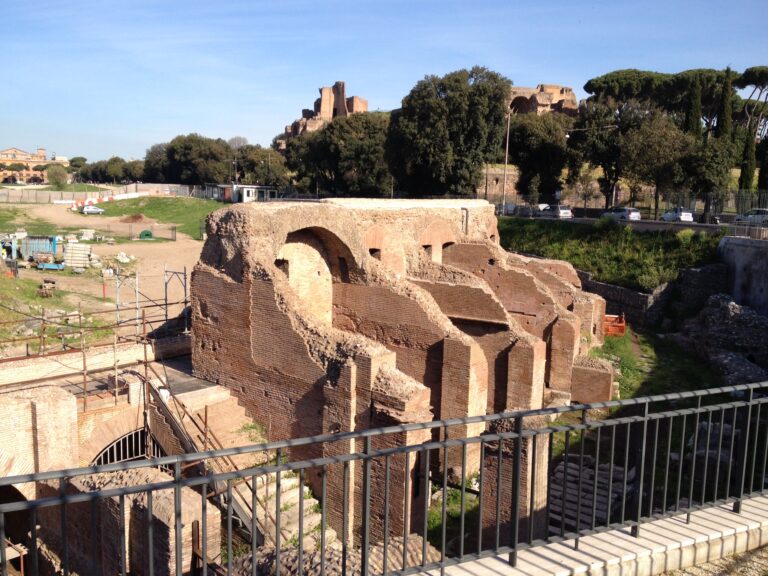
521, 105
437, 235
98, 435
313, 259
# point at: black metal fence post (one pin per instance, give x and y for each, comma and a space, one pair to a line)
743, 450
639, 475
516, 488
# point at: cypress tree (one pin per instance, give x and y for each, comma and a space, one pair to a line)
762, 178
693, 113
748, 163
724, 127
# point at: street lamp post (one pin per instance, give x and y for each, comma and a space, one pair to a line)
506, 160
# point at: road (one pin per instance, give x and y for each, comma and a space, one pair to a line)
654, 225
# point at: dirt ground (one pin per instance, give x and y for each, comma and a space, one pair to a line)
152, 257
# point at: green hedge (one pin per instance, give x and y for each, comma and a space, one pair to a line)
612, 253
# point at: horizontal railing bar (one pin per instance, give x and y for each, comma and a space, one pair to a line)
345, 436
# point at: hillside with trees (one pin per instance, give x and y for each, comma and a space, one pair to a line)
680, 135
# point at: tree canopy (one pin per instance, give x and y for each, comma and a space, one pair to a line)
537, 146
56, 175
195, 159
345, 158
670, 92
114, 170
629, 84
596, 138
262, 166
651, 153
447, 128
77, 162
156, 163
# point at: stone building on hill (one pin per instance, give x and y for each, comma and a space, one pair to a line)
544, 98
333, 102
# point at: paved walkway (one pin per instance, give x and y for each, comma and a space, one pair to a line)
663, 546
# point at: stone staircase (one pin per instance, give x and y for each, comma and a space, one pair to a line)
213, 419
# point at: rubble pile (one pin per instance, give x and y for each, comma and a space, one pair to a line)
731, 337
289, 559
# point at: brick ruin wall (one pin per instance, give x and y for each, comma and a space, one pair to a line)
94, 532
345, 314
41, 426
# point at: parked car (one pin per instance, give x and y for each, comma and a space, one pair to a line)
677, 215
510, 209
622, 213
757, 217
556, 211
524, 210
91, 209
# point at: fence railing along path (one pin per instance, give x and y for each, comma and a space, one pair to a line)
608, 465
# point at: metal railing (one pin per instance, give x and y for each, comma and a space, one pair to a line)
530, 478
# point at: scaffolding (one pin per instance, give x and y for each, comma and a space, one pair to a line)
61, 337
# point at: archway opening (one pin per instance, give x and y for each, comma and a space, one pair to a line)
136, 445
17, 524
313, 259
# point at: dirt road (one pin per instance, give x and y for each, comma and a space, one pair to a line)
152, 258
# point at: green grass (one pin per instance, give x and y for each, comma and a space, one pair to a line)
186, 213
256, 432
612, 253
453, 516
650, 365
647, 365
76, 187
13, 217
18, 292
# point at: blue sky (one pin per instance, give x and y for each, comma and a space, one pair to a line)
108, 77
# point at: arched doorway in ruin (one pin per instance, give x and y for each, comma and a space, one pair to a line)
434, 238
17, 524
136, 445
313, 259
520, 105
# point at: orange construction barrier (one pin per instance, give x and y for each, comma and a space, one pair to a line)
614, 325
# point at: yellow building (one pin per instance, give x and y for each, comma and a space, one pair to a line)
11, 156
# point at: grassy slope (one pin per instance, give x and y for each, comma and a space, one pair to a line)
648, 365
614, 254
16, 293
186, 213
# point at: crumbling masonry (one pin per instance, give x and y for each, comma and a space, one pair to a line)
341, 315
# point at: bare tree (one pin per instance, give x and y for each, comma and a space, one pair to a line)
586, 187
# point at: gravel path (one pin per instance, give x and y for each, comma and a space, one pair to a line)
753, 563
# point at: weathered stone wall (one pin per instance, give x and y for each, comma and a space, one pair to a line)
592, 381
732, 338
747, 261
70, 363
339, 315
498, 492
531, 301
38, 433
103, 555
638, 308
